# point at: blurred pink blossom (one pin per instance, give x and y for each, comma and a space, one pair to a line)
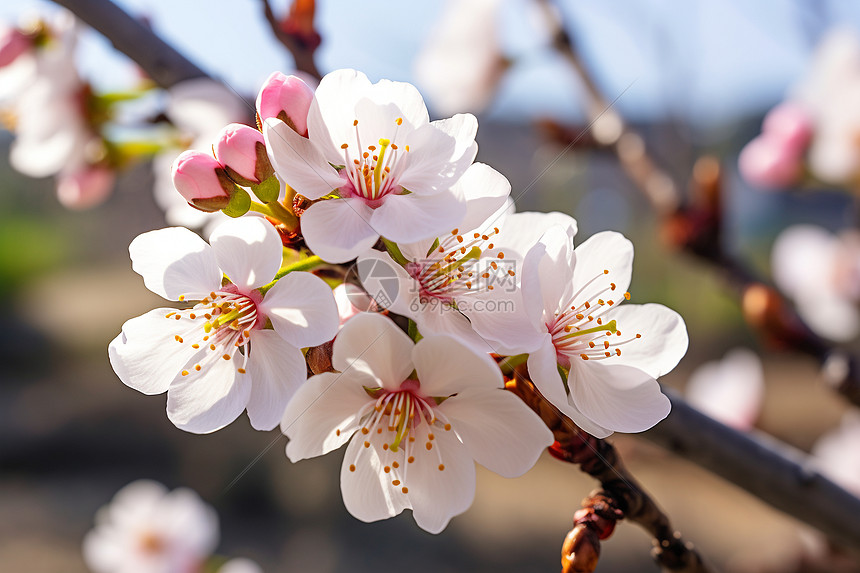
13, 43
820, 271
837, 453
462, 63
729, 390
86, 187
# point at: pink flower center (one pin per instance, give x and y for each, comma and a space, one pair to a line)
580, 329
220, 327
395, 421
372, 174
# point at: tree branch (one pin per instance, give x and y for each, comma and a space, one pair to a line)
771, 470
158, 59
302, 51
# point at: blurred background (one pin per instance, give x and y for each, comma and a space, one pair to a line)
693, 79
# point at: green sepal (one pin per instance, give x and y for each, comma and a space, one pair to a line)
268, 190
240, 203
394, 251
434, 246
563, 372
413, 331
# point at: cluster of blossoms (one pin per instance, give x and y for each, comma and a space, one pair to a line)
145, 528
813, 134
53, 112
356, 171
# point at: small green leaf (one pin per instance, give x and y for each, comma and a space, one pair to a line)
240, 203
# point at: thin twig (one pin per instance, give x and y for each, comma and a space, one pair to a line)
302, 52
158, 59
621, 491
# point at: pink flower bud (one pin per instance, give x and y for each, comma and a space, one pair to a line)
13, 43
768, 162
791, 123
287, 98
201, 181
242, 151
85, 188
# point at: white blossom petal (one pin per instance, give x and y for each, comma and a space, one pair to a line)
543, 371
438, 495
548, 276
277, 370
521, 231
205, 401
248, 250
145, 355
302, 309
485, 191
503, 323
437, 159
367, 493
618, 397
338, 230
323, 414
445, 367
664, 337
299, 162
606, 251
174, 262
411, 218
373, 344
500, 432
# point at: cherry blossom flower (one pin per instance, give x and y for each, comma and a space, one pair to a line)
462, 63
572, 319
729, 390
821, 273
374, 146
470, 273
218, 358
412, 438
46, 98
837, 456
147, 529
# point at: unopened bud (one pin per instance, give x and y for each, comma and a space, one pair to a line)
202, 181
13, 43
287, 98
242, 152
580, 551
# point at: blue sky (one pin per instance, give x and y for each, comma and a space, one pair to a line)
709, 61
